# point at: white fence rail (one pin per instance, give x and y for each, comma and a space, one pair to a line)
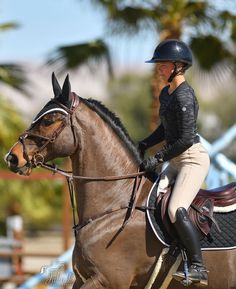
52, 275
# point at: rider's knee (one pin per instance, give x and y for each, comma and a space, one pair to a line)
172, 213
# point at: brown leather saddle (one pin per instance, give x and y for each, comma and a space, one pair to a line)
201, 209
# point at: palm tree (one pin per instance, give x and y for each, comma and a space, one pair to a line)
170, 19
10, 73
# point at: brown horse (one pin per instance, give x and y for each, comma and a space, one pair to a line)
98, 145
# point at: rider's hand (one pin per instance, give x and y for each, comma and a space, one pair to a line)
150, 164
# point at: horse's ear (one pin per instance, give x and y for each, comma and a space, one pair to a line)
56, 86
66, 90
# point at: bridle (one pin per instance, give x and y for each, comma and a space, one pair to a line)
37, 158
38, 161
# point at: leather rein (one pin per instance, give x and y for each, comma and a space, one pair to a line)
38, 161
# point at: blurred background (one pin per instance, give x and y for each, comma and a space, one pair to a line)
103, 45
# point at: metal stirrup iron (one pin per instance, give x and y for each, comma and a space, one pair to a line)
186, 282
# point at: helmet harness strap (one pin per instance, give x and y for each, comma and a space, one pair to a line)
176, 71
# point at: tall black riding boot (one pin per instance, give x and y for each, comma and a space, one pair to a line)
189, 237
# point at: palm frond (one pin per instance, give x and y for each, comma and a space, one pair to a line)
132, 16
209, 50
74, 56
233, 32
129, 17
8, 25
13, 75
198, 13
228, 21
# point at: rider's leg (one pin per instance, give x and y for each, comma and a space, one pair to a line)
190, 240
192, 169
167, 176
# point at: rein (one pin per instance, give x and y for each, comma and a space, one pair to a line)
68, 174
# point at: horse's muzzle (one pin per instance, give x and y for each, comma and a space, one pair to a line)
12, 163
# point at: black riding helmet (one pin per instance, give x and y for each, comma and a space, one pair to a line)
172, 50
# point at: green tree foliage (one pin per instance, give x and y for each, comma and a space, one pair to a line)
90, 53
41, 201
10, 73
130, 100
11, 125
208, 25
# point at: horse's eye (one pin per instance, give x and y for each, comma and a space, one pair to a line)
47, 121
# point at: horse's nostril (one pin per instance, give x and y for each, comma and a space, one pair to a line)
12, 160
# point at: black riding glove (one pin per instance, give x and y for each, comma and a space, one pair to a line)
150, 164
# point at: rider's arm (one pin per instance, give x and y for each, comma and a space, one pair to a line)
154, 138
186, 113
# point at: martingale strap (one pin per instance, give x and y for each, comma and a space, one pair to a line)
138, 184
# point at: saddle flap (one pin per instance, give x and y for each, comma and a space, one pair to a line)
200, 213
163, 200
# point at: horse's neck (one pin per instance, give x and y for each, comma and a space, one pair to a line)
101, 153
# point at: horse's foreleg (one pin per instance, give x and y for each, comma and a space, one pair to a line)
94, 282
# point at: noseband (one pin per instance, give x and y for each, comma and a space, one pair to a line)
38, 158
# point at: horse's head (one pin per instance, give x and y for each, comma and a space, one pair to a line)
50, 135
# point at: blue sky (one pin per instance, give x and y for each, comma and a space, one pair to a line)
47, 24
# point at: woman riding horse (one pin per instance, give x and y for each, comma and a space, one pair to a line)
188, 160
105, 256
